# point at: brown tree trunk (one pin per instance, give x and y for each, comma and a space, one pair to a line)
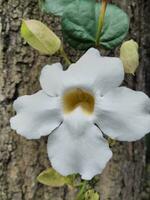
22, 160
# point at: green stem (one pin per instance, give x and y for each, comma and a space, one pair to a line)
64, 55
81, 192
101, 21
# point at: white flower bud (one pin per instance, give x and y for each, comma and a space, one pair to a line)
40, 37
129, 56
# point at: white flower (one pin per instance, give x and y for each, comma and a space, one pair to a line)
76, 106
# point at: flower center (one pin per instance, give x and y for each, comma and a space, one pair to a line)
78, 97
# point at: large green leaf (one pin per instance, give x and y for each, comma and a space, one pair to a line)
55, 7
80, 20
51, 178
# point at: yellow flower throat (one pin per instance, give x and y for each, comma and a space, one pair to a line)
78, 98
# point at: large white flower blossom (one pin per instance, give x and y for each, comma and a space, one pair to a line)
76, 106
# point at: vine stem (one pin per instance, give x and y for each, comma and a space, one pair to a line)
81, 192
101, 21
64, 55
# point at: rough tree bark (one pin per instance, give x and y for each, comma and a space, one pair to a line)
22, 160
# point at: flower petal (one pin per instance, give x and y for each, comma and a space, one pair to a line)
93, 70
51, 79
124, 114
78, 146
37, 115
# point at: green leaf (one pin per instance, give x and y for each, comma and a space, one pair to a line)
80, 21
55, 7
91, 195
52, 178
40, 37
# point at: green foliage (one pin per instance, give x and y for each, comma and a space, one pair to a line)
55, 7
80, 21
91, 195
40, 37
51, 178
78, 24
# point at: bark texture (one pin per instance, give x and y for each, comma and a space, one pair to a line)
22, 160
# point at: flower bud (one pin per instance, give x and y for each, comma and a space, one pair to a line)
40, 37
129, 56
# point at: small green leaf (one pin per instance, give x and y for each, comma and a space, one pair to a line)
55, 7
91, 195
40, 37
80, 21
52, 178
